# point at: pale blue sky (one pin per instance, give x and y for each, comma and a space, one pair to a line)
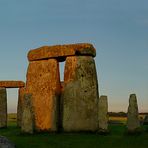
117, 28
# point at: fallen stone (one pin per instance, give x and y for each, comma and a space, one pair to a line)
20, 105
3, 108
5, 143
133, 123
27, 124
61, 51
80, 95
102, 114
12, 84
43, 82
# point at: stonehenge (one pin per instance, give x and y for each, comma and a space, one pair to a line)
47, 104
72, 104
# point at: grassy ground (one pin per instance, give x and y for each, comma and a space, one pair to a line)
116, 139
121, 120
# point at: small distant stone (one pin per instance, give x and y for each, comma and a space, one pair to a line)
133, 123
5, 143
102, 114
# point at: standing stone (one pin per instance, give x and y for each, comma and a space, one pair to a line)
133, 123
27, 125
80, 95
3, 108
43, 82
102, 114
20, 105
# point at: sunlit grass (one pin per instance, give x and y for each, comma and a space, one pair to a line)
122, 120
12, 117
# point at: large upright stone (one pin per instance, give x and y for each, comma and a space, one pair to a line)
27, 124
61, 51
3, 108
80, 94
102, 114
133, 123
20, 105
43, 82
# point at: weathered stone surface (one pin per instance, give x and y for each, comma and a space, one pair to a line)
61, 51
27, 124
3, 108
133, 123
102, 114
43, 82
12, 84
20, 105
5, 143
80, 95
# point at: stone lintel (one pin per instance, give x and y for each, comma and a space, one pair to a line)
12, 84
61, 51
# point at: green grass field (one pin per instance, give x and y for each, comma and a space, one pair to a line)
116, 139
